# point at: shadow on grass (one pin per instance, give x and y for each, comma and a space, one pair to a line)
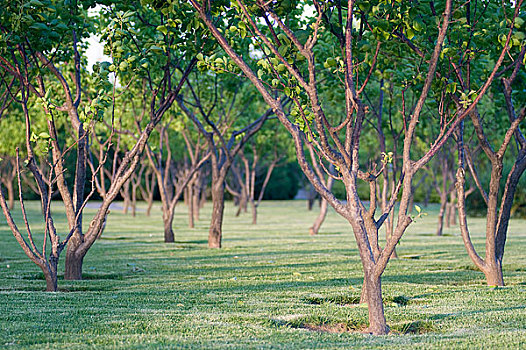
345, 300
475, 312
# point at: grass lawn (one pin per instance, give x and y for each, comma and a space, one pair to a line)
272, 286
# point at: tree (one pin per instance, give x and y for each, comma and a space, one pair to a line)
495, 144
269, 147
173, 175
40, 52
290, 52
226, 126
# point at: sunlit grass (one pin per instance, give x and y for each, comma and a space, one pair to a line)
268, 287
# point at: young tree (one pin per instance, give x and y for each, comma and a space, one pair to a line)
173, 175
267, 149
226, 127
494, 145
290, 54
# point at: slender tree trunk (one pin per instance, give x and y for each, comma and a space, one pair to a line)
202, 198
150, 205
443, 203
168, 218
151, 190
323, 210
389, 225
321, 217
216, 224
50, 274
10, 194
311, 197
242, 202
126, 197
448, 214
254, 212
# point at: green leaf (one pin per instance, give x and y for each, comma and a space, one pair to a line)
156, 48
123, 65
36, 3
163, 29
39, 26
409, 33
331, 62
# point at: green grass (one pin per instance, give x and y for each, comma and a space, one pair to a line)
272, 286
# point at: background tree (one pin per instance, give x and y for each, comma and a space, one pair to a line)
223, 113
260, 156
173, 171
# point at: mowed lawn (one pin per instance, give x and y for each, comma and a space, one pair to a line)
271, 286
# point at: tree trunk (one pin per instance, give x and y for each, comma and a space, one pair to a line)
443, 203
168, 218
441, 214
242, 202
254, 212
494, 275
202, 198
10, 194
73, 267
150, 205
448, 215
126, 197
321, 217
377, 323
50, 275
323, 208
218, 203
311, 197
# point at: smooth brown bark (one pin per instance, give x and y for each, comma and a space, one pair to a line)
73, 267
377, 322
315, 228
50, 275
441, 213
168, 230
218, 207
